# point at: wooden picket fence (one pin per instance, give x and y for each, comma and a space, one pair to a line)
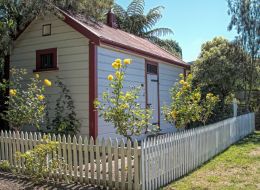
119, 165
104, 163
168, 157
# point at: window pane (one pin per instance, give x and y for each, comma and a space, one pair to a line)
152, 69
46, 61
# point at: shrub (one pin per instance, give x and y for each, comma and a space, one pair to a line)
121, 108
41, 160
187, 104
65, 121
26, 101
5, 166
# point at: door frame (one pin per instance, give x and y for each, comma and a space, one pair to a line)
158, 87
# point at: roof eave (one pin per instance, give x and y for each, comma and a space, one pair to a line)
141, 52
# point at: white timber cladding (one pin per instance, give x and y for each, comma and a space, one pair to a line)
168, 76
135, 76
72, 55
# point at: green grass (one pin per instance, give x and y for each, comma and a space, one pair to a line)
236, 168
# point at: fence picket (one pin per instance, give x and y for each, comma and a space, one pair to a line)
86, 160
64, 154
75, 159
122, 158
116, 164
129, 165
92, 164
80, 156
98, 162
109, 159
104, 169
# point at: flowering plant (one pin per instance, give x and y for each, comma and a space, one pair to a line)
187, 104
121, 107
26, 101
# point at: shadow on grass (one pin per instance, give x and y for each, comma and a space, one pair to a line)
253, 138
26, 184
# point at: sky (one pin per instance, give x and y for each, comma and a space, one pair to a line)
192, 21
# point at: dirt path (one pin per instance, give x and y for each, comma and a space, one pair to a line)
11, 182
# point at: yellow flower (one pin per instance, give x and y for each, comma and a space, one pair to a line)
178, 94
12, 92
41, 97
110, 77
47, 82
127, 61
114, 65
182, 81
174, 114
118, 61
37, 76
181, 75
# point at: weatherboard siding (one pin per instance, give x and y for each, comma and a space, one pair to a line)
73, 55
168, 76
135, 76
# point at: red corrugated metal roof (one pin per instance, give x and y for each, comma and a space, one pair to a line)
121, 38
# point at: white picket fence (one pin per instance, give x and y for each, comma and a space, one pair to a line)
168, 157
119, 165
104, 164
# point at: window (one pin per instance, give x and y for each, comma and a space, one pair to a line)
46, 59
152, 69
46, 30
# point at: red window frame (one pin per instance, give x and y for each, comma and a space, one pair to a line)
52, 51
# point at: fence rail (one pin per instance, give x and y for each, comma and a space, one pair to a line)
167, 158
120, 165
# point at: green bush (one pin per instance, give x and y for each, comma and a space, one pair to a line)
65, 120
41, 160
5, 166
187, 104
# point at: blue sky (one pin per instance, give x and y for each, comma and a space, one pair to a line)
193, 22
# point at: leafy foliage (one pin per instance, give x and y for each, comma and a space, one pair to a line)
65, 121
220, 68
120, 107
41, 160
133, 20
5, 166
171, 46
245, 18
187, 104
26, 102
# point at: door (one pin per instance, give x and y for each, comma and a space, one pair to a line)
152, 92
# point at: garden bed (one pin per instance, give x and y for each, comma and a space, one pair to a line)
11, 182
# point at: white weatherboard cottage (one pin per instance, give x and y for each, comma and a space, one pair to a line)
81, 53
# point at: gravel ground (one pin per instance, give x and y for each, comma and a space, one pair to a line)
11, 182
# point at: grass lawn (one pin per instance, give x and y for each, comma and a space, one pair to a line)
236, 168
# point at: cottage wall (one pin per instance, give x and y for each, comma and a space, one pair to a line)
73, 50
168, 75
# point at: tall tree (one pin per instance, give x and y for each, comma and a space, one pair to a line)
245, 18
135, 21
220, 68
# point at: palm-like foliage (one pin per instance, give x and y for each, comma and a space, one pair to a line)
134, 21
